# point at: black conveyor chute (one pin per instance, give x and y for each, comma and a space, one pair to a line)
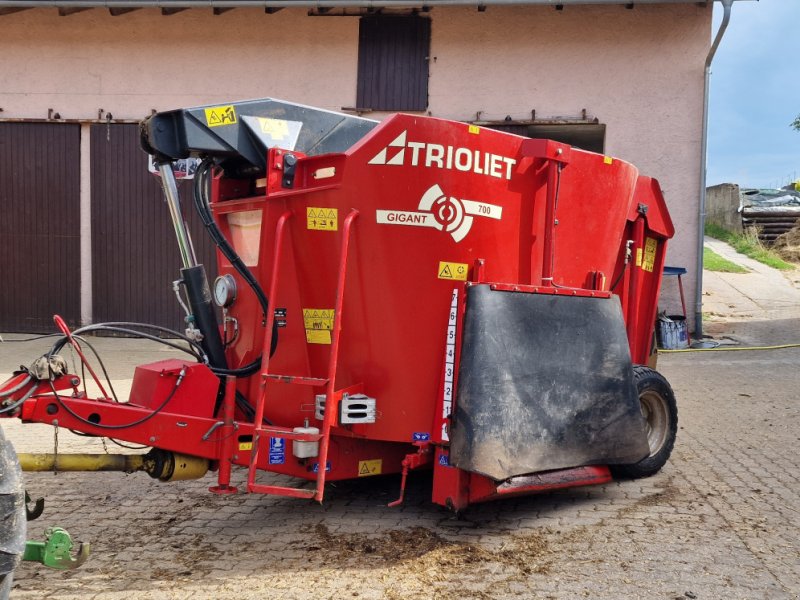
545, 382
239, 134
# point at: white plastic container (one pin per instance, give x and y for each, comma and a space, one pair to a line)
305, 449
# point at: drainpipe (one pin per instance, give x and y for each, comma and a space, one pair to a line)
701, 221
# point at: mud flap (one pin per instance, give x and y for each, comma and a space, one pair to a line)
545, 382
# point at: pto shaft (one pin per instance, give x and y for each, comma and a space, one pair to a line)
159, 464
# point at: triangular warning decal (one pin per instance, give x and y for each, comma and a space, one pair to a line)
364, 469
446, 273
311, 214
331, 214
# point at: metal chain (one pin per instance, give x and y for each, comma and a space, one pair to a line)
72, 358
55, 447
105, 447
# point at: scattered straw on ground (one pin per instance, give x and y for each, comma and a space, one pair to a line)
787, 245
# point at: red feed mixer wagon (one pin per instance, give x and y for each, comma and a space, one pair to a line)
415, 293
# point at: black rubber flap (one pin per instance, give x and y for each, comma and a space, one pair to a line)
545, 382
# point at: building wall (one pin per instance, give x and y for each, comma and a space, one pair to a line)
639, 71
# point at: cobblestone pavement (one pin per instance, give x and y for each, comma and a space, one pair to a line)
720, 521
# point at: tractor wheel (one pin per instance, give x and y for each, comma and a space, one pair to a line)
12, 515
660, 411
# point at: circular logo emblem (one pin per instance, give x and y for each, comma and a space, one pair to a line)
449, 212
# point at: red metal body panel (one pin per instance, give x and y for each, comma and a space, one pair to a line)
375, 303
392, 322
153, 382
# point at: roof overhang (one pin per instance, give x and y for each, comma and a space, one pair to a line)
7, 5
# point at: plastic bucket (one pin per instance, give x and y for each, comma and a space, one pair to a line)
672, 332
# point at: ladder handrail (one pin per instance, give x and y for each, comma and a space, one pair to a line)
330, 398
267, 346
329, 419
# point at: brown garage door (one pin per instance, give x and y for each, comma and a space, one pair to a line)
134, 254
39, 225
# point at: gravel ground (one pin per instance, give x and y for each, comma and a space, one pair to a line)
720, 520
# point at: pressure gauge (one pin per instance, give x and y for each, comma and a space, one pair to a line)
224, 290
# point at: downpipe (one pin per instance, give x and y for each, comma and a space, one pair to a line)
701, 219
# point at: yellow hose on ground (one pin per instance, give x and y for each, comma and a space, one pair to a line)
731, 348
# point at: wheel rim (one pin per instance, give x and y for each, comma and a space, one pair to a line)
654, 410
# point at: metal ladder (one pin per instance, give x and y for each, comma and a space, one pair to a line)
261, 432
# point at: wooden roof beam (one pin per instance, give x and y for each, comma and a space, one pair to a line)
65, 12
115, 12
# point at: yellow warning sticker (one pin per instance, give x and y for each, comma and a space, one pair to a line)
649, 259
322, 219
474, 129
221, 115
277, 129
638, 257
245, 445
370, 467
318, 323
318, 318
608, 160
318, 336
451, 270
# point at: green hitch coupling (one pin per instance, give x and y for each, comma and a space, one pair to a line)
56, 551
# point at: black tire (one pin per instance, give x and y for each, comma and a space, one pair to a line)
660, 410
12, 515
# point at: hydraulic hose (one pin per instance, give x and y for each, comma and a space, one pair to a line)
732, 348
203, 207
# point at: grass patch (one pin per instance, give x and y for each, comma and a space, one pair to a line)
714, 262
748, 244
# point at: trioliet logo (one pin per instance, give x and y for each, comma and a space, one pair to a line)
438, 156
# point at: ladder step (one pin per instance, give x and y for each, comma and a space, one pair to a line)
256, 488
296, 379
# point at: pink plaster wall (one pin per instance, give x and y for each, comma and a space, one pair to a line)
640, 71
141, 60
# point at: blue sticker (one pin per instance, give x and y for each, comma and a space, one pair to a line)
277, 451
315, 468
421, 437
444, 460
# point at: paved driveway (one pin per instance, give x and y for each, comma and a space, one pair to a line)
722, 520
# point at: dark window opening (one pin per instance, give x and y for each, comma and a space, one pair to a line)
586, 136
393, 63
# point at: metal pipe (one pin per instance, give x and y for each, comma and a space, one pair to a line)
127, 463
548, 243
170, 187
159, 464
701, 218
317, 3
